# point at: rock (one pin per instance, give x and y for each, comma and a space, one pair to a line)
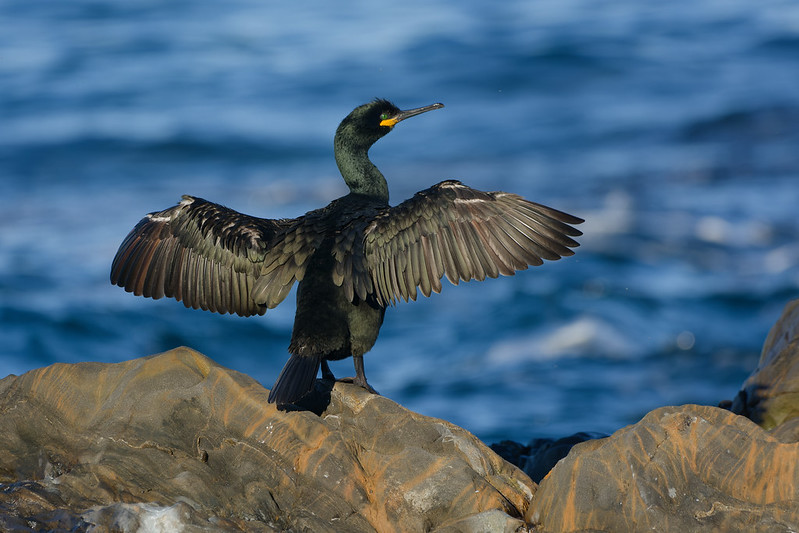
770, 396
540, 455
681, 469
176, 440
691, 468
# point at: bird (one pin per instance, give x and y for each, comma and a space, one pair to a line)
351, 259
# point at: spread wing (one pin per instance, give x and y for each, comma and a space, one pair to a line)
451, 229
201, 253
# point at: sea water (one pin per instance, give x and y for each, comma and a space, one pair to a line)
673, 129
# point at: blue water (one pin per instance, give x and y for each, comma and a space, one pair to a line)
672, 128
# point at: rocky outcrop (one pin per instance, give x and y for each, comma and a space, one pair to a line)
770, 396
176, 439
692, 468
681, 469
175, 442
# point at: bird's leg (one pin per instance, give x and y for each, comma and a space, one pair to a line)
327, 375
360, 376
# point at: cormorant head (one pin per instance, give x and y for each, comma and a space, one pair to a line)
367, 123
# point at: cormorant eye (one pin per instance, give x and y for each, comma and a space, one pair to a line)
383, 116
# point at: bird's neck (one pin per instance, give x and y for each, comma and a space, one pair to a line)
360, 174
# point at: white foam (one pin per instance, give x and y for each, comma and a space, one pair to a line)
139, 517
155, 519
586, 336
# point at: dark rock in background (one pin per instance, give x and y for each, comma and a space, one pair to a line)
540, 455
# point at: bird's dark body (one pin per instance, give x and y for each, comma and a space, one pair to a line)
351, 259
328, 325
327, 321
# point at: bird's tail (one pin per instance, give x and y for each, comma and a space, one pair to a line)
295, 380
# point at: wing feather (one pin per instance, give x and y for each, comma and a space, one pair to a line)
448, 254
463, 262
455, 231
198, 252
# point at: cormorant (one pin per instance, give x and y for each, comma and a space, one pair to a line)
351, 258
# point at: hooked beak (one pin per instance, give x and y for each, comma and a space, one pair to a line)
402, 115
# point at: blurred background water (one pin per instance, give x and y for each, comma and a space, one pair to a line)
672, 128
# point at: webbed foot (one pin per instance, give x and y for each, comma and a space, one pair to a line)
360, 376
